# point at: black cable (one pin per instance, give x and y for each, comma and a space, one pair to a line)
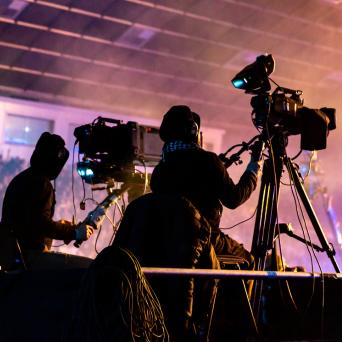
297, 205
115, 227
54, 190
297, 155
21, 254
276, 189
277, 221
243, 221
73, 181
116, 302
274, 82
84, 191
142, 161
311, 252
97, 238
295, 306
321, 272
309, 237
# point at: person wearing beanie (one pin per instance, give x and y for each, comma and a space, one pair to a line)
200, 176
29, 204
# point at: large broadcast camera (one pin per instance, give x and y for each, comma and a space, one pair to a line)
283, 110
112, 149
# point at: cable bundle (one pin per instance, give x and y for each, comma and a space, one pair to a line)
116, 303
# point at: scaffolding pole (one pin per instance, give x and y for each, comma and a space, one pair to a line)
240, 274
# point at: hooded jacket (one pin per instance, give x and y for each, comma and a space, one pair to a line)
29, 201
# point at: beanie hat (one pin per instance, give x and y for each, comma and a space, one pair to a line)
180, 123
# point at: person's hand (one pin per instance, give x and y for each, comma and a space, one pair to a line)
256, 162
83, 232
255, 167
96, 217
62, 221
256, 150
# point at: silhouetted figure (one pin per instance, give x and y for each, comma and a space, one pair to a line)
28, 209
200, 176
177, 225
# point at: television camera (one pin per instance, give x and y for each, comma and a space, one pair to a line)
278, 115
112, 149
283, 110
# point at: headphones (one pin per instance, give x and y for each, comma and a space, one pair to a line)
180, 123
192, 131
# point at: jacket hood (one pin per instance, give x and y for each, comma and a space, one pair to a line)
49, 155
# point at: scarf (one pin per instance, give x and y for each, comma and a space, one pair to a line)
178, 145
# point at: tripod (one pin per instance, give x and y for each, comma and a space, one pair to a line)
266, 225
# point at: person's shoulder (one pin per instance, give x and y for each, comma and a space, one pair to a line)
20, 177
33, 178
21, 181
209, 155
212, 163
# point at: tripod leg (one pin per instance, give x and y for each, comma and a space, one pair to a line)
327, 247
265, 223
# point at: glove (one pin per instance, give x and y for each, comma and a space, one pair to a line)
255, 167
83, 232
96, 217
256, 162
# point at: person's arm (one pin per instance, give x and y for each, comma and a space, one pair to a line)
233, 195
42, 212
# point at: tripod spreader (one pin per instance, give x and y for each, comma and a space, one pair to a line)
287, 229
326, 246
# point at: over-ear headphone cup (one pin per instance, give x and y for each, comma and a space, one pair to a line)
192, 131
180, 123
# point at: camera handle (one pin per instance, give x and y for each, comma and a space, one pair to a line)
235, 158
102, 120
95, 216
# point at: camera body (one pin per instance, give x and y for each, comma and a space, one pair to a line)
278, 109
111, 149
283, 110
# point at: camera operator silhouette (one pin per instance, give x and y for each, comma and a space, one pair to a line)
177, 224
27, 226
200, 176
